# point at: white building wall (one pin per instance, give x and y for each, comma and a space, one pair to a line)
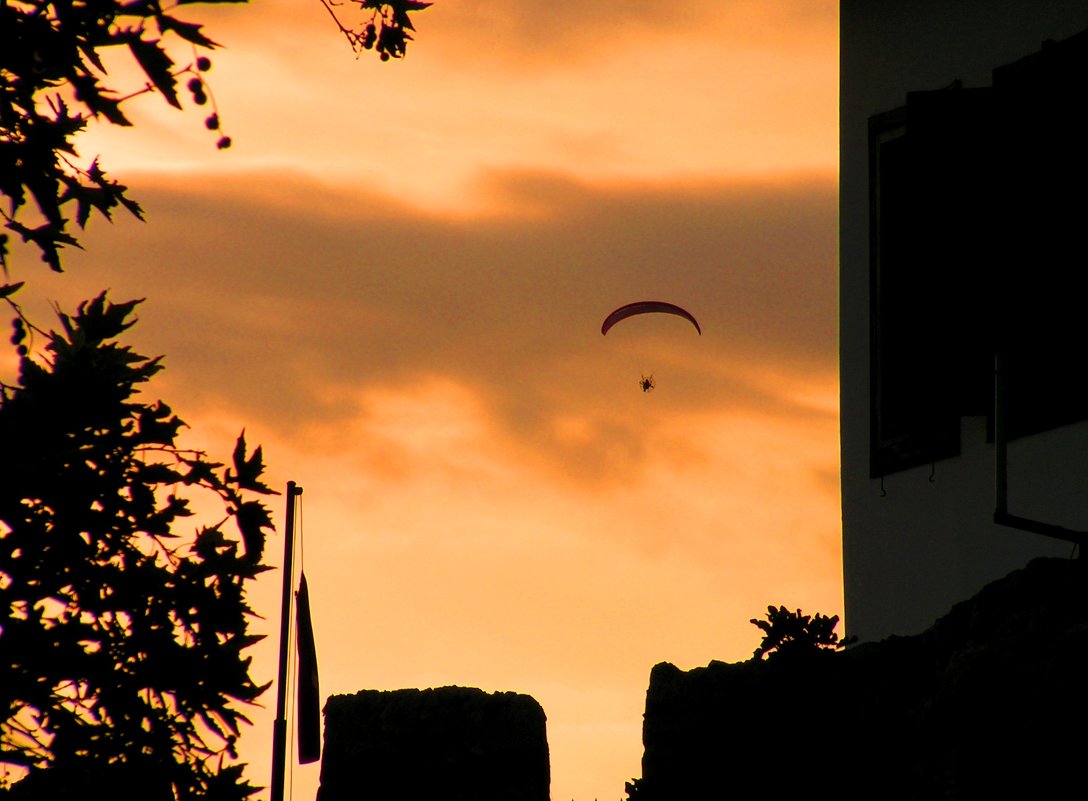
925, 542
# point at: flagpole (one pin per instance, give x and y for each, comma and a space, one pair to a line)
279, 727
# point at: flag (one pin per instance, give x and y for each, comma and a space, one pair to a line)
309, 696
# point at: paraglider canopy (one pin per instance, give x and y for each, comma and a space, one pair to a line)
647, 307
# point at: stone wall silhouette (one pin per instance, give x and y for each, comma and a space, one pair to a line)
986, 703
448, 743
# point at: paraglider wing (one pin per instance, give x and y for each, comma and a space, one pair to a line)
647, 307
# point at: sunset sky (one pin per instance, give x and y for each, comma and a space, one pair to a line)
395, 280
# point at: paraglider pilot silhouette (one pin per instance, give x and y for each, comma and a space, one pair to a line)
647, 307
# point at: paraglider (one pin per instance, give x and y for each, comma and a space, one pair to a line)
646, 383
647, 307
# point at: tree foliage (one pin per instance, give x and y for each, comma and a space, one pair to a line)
791, 634
52, 82
383, 27
122, 640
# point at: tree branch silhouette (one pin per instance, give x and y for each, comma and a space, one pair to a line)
53, 82
384, 25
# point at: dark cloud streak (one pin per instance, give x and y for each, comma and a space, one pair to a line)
281, 309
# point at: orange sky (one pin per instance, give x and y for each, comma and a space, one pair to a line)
395, 281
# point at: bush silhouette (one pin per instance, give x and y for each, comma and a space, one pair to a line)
791, 634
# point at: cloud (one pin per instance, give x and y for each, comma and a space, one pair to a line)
296, 305
641, 90
529, 33
571, 31
493, 492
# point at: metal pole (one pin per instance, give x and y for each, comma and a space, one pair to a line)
279, 727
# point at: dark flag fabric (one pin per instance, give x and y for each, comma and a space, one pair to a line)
309, 696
